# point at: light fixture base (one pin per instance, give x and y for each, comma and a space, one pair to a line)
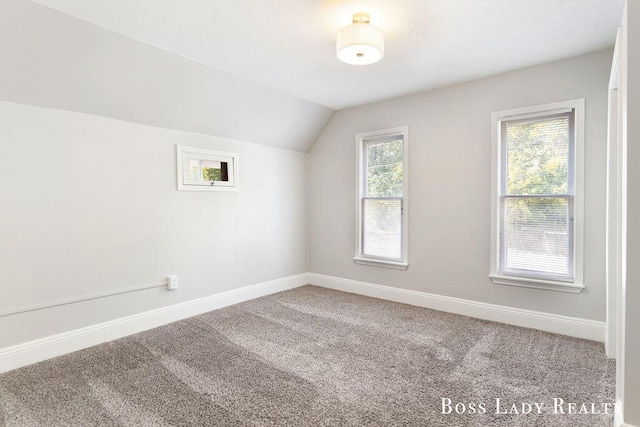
361, 18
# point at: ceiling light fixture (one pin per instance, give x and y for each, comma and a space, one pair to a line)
360, 43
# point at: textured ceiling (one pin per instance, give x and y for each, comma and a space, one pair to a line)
290, 44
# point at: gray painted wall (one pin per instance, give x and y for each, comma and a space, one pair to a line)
89, 205
52, 60
449, 185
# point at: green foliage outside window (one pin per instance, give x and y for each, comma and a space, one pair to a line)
383, 217
211, 174
537, 155
384, 169
537, 164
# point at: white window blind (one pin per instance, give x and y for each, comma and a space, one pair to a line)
537, 197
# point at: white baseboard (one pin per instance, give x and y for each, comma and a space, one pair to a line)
46, 348
572, 326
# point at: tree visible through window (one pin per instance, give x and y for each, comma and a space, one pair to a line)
382, 220
203, 169
537, 227
382, 207
384, 169
207, 170
537, 196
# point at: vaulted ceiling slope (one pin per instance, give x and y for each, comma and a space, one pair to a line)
53, 60
290, 44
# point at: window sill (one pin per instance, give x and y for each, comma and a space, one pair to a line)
381, 263
548, 285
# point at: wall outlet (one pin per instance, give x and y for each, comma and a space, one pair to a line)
172, 282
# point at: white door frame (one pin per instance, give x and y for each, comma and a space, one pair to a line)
614, 210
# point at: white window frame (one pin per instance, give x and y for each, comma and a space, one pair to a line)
578, 106
183, 154
361, 138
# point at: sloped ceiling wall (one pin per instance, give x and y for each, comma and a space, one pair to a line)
49, 59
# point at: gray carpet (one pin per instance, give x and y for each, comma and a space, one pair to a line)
313, 356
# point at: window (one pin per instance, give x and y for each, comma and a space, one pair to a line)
537, 197
200, 169
381, 237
